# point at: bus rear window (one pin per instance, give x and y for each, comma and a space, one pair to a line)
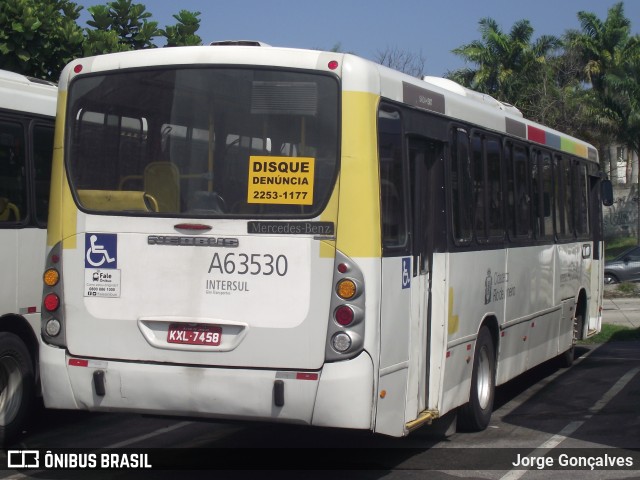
203, 142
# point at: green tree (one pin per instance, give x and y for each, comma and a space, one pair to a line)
557, 97
129, 22
611, 59
506, 65
184, 32
123, 25
602, 44
39, 37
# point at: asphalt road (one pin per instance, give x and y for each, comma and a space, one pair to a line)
591, 410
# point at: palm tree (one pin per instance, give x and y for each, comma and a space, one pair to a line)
602, 44
506, 65
611, 58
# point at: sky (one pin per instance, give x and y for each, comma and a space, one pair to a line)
427, 28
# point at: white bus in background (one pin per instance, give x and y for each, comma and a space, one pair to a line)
27, 114
249, 232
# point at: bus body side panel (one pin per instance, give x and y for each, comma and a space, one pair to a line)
30, 258
345, 394
568, 270
439, 321
473, 293
9, 262
395, 332
529, 330
514, 287
595, 302
569, 280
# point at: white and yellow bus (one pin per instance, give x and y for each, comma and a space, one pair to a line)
249, 232
27, 115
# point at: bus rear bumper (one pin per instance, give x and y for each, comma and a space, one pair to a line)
225, 393
56, 387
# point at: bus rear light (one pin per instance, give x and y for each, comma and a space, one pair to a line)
345, 332
333, 64
341, 342
346, 289
52, 327
344, 315
192, 226
51, 302
52, 317
51, 277
78, 362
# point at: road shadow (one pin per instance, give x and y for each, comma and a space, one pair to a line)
583, 394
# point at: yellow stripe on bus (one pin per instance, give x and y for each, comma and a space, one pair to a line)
62, 222
330, 214
358, 233
453, 324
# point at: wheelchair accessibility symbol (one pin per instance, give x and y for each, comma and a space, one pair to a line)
102, 250
406, 272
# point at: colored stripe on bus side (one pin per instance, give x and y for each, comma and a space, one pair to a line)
549, 139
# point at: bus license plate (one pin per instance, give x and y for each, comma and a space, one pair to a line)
200, 334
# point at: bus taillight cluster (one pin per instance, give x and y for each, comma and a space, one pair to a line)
346, 328
51, 299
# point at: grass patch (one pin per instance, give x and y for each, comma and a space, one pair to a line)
611, 333
615, 246
626, 288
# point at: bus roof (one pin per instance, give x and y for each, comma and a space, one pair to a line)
27, 94
435, 94
446, 97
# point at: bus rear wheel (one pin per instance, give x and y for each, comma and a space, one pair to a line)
475, 415
565, 359
16, 386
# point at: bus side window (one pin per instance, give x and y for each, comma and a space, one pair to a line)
519, 196
392, 191
13, 190
494, 188
461, 187
564, 209
42, 152
479, 188
548, 194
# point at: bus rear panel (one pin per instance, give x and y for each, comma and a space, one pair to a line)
196, 246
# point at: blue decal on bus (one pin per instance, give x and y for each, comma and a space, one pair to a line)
406, 272
102, 250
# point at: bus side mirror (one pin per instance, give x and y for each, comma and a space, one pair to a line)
607, 193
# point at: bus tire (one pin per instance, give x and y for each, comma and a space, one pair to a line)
16, 386
475, 415
565, 359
